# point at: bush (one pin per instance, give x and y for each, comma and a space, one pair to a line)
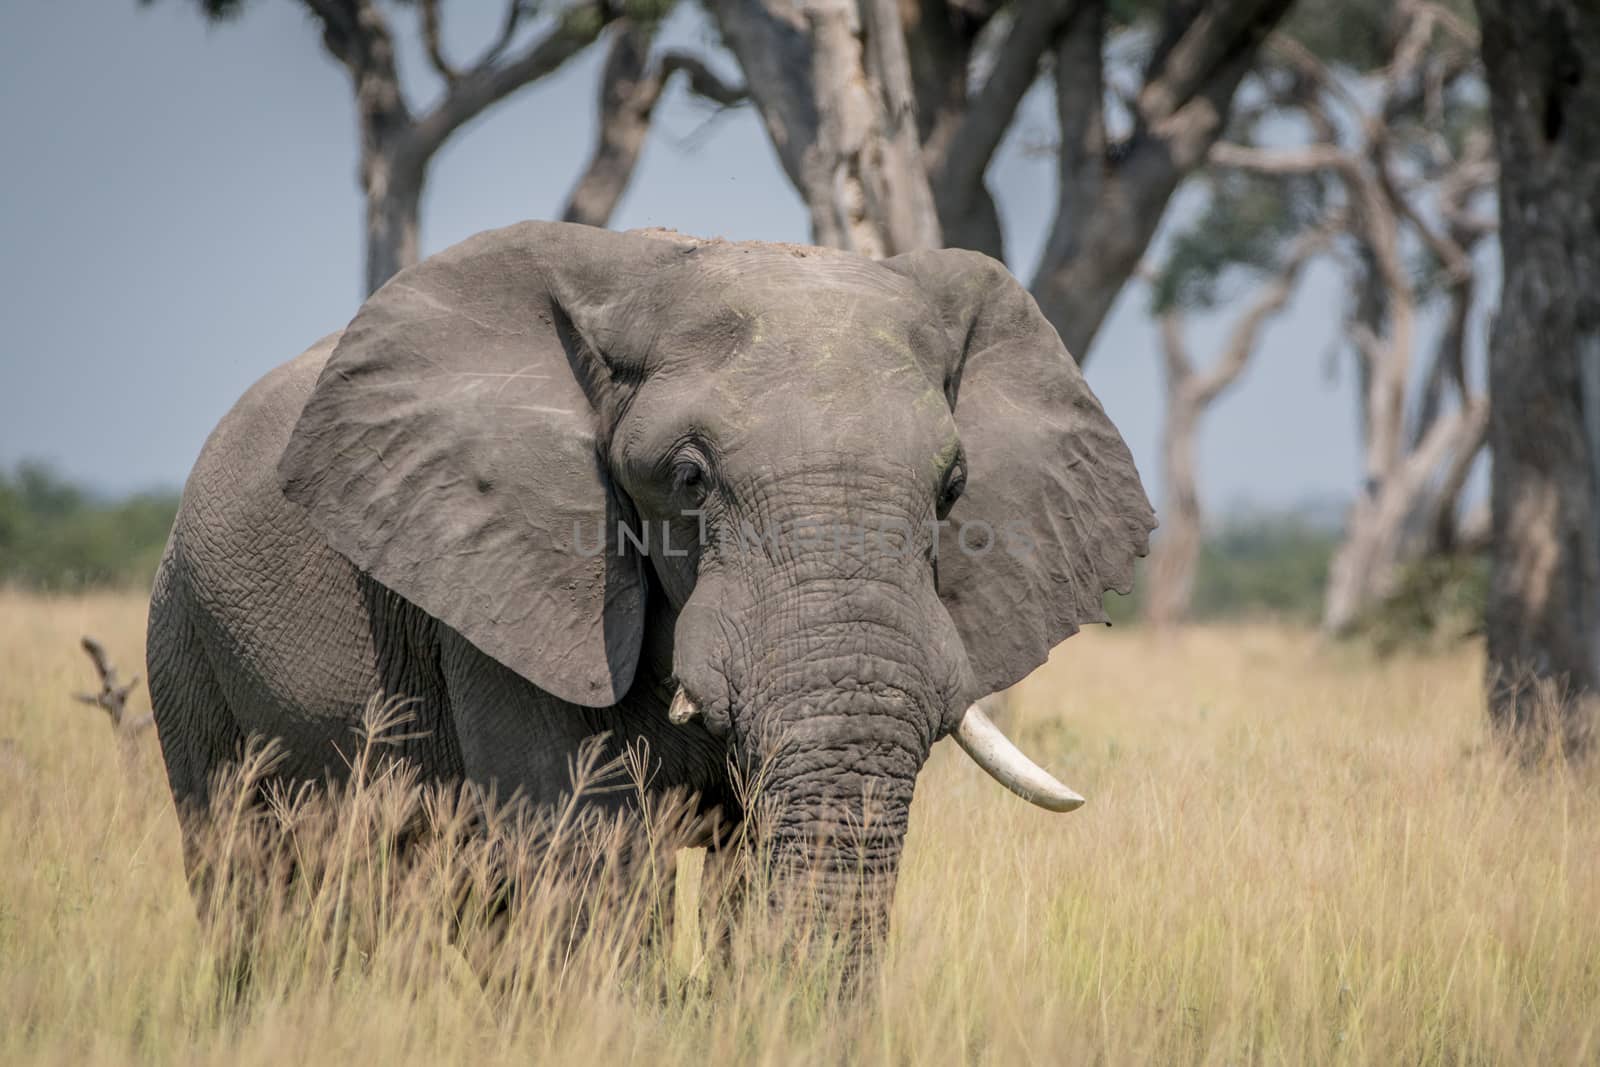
55, 535
1439, 601
1273, 565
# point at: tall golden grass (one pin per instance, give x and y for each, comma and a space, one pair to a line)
1293, 853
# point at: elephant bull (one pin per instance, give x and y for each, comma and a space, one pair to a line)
747, 502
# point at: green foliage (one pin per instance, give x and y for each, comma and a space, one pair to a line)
1273, 565
1248, 222
54, 535
1125, 13
1356, 34
1439, 602
1351, 33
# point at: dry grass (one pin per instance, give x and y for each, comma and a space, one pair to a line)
1292, 854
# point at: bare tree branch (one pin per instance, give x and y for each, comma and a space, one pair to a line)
515, 9
972, 145
492, 81
1375, 219
339, 28
1447, 532
703, 81
113, 695
1449, 356
429, 10
1201, 56
1175, 354
1273, 297
1189, 392
629, 92
1463, 31
1300, 159
1402, 488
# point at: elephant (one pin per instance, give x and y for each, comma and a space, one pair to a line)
745, 502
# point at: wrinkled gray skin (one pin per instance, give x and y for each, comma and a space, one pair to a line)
394, 512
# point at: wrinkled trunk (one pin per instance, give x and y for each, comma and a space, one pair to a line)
839, 705
1543, 63
841, 760
835, 848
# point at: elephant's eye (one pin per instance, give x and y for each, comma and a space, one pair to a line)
689, 479
955, 480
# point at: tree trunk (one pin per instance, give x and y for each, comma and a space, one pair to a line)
1177, 551
962, 125
1190, 392
394, 206
833, 85
1379, 543
1111, 196
627, 98
396, 145
1542, 59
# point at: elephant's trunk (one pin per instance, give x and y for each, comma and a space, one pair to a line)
834, 803
834, 672
838, 858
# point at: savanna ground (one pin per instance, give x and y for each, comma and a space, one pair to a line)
1292, 854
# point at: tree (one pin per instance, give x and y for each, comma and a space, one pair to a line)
397, 141
1411, 164
631, 84
1542, 59
833, 83
1190, 391
878, 124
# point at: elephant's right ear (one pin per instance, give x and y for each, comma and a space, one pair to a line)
450, 451
1045, 465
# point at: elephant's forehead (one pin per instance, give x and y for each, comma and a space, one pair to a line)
819, 350
828, 317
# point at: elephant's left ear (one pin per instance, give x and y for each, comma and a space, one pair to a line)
1047, 472
450, 449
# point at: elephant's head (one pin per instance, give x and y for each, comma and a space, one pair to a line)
870, 493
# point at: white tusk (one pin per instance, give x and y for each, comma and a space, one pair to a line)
994, 752
682, 710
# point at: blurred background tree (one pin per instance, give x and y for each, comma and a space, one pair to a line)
1543, 62
1142, 90
1373, 125
1353, 136
398, 139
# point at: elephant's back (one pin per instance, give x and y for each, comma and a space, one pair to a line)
283, 619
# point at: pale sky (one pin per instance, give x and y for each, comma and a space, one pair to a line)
179, 213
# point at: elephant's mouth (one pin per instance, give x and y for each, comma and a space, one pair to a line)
981, 739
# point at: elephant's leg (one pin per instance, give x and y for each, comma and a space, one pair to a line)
199, 740
519, 742
199, 736
516, 740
